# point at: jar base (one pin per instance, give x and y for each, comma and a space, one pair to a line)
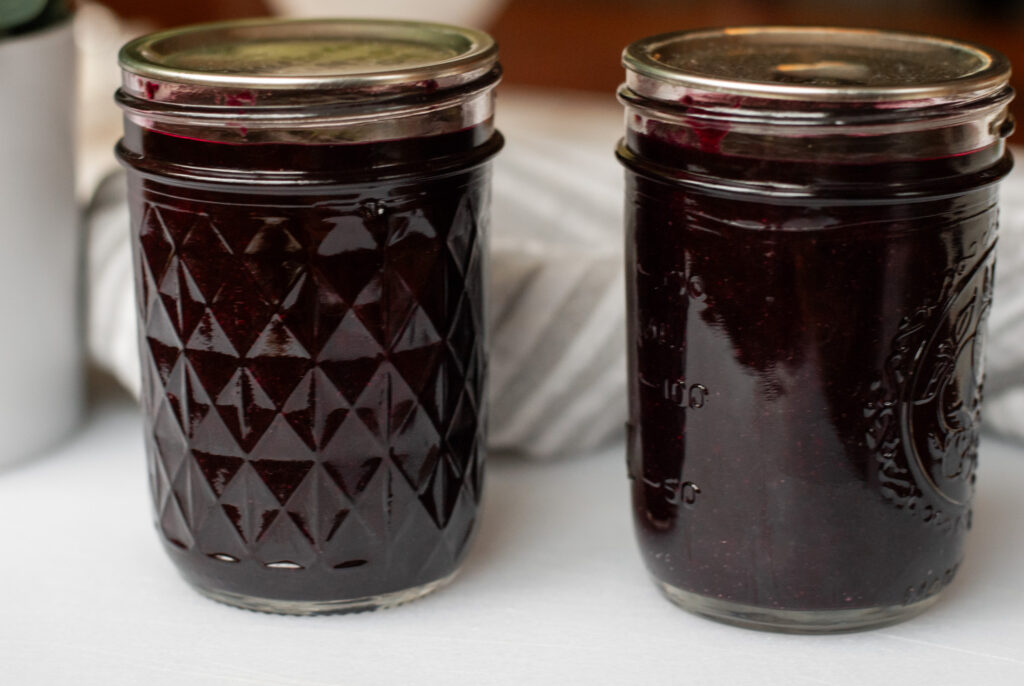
307, 608
792, 621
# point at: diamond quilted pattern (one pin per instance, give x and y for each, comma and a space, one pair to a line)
315, 376
217, 469
278, 361
211, 354
204, 247
274, 258
282, 476
351, 357
156, 243
246, 408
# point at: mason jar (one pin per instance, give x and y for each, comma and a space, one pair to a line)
309, 209
811, 220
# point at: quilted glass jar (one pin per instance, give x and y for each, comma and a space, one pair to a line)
309, 207
811, 221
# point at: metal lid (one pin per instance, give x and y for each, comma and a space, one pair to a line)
817, 64
302, 55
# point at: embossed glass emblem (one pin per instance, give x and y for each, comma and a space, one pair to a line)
927, 418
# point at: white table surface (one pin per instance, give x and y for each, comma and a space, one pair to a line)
553, 592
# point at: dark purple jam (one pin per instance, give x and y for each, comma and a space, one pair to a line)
805, 365
313, 358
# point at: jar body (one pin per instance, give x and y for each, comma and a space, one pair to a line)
805, 380
313, 363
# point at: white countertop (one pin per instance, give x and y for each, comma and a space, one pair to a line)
553, 592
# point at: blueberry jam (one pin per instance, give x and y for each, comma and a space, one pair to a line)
313, 358
810, 235
805, 342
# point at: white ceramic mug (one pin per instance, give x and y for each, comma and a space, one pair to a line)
40, 332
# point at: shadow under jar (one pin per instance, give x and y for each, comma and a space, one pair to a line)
811, 218
309, 207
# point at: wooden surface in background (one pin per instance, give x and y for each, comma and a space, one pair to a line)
577, 43
181, 12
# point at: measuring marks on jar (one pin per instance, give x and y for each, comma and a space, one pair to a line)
678, 392
676, 491
672, 288
690, 397
673, 295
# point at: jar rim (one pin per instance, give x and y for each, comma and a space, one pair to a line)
187, 56
815, 64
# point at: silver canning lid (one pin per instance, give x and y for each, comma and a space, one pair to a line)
814, 64
268, 56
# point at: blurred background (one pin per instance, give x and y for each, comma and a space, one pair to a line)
575, 44
569, 45
558, 188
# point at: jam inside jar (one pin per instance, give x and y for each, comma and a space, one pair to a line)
811, 221
309, 208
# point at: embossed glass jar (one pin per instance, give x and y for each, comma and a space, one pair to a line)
309, 206
811, 216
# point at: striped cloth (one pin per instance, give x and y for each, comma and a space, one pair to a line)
556, 294
555, 298
1004, 366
